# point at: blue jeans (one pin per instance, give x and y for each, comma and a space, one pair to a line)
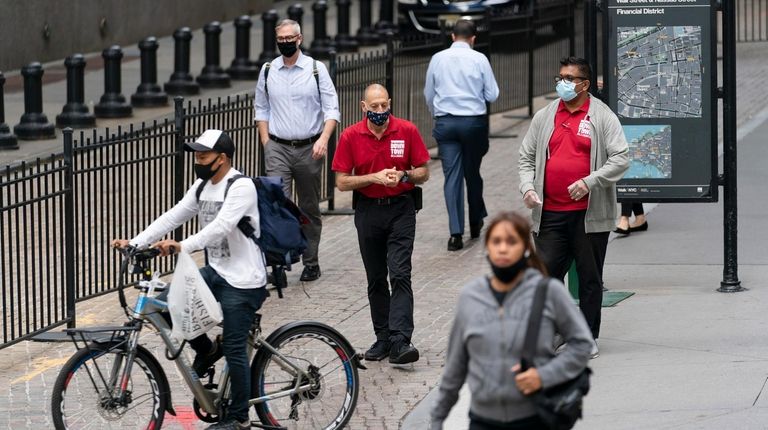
239, 307
462, 141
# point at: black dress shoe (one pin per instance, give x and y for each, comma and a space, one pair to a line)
474, 230
455, 243
403, 353
378, 351
310, 273
641, 227
203, 362
622, 231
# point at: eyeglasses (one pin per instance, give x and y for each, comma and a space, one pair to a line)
293, 38
568, 78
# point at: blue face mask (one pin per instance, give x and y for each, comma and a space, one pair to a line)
377, 118
566, 90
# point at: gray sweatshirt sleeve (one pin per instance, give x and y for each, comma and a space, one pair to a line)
527, 162
571, 325
617, 151
454, 374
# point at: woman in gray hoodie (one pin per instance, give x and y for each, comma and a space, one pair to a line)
486, 340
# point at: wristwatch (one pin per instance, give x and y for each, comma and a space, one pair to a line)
405, 176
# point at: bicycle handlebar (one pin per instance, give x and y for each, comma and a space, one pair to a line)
137, 255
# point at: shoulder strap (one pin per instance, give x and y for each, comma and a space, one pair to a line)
200, 190
231, 181
267, 65
534, 323
317, 78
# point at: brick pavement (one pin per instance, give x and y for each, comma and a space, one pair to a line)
28, 370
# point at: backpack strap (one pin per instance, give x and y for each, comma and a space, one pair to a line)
199, 190
267, 65
316, 74
534, 324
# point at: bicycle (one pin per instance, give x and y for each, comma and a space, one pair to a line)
113, 381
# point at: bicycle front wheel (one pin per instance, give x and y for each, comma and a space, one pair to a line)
84, 395
317, 365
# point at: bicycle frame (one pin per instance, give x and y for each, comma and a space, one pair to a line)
147, 310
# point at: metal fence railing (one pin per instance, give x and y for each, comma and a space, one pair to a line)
35, 264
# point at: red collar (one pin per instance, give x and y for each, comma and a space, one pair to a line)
583, 108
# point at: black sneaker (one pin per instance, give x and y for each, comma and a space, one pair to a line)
310, 273
378, 351
403, 353
203, 362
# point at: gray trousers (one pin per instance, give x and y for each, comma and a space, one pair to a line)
296, 165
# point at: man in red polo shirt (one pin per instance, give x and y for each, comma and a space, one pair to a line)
382, 158
571, 158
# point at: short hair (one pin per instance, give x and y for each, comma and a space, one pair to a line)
284, 22
580, 63
464, 29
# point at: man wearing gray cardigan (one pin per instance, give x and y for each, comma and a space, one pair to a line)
570, 160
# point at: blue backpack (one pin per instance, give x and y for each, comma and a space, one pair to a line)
282, 240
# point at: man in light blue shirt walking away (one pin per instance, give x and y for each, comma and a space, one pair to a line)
459, 85
296, 109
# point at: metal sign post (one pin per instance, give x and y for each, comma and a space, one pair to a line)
730, 282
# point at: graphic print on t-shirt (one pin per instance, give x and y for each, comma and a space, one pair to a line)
396, 148
208, 212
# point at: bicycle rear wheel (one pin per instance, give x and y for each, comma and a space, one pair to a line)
331, 387
83, 395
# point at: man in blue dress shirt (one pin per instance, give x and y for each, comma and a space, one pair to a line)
296, 111
459, 84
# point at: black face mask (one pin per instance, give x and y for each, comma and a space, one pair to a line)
288, 48
205, 171
507, 274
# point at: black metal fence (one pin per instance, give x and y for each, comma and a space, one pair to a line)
751, 20
35, 264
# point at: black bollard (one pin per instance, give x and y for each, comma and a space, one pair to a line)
112, 104
149, 93
242, 67
386, 15
181, 82
7, 139
75, 113
213, 75
344, 42
322, 45
296, 13
269, 19
366, 36
34, 124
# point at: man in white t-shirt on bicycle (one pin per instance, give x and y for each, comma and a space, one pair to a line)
235, 271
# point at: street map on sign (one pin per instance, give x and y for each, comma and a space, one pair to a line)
659, 72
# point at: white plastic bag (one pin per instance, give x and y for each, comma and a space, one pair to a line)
194, 310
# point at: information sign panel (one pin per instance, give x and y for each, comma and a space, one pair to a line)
662, 84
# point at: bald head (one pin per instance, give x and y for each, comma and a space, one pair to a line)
375, 91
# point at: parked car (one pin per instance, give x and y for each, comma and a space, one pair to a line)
425, 16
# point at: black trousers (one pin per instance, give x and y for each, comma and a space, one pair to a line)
385, 233
562, 239
628, 208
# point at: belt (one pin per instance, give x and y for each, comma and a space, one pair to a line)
383, 201
295, 142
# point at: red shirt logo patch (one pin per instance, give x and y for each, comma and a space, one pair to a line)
397, 148
584, 129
